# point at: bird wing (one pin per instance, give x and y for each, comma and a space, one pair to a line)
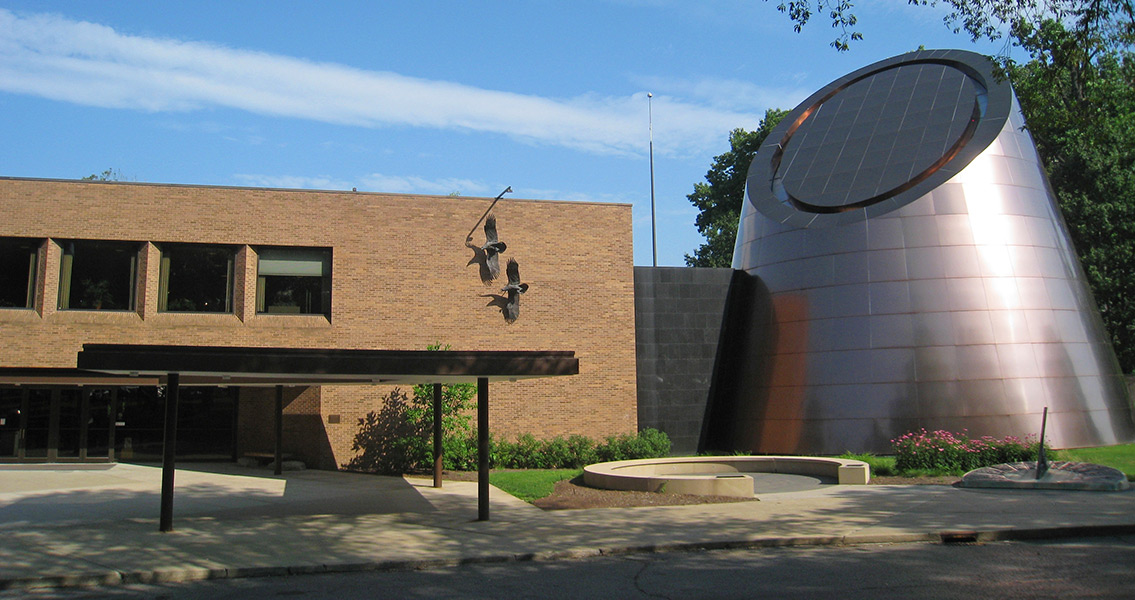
491, 230
512, 306
513, 271
492, 265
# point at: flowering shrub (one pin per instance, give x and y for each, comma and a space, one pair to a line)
957, 453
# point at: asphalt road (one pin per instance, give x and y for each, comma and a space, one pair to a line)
1090, 567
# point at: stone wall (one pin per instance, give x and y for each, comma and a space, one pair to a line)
678, 315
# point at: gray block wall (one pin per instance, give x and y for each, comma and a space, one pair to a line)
678, 312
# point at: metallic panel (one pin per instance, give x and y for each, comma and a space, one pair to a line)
918, 274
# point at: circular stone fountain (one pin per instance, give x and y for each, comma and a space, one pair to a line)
726, 475
1061, 475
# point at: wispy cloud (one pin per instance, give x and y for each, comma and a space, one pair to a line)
292, 182
419, 185
94, 65
394, 184
730, 94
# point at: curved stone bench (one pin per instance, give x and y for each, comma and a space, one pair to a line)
716, 475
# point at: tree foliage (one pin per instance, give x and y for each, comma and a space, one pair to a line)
1079, 103
110, 174
720, 197
1110, 20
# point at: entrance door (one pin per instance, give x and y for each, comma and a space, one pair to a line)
63, 423
37, 424
11, 402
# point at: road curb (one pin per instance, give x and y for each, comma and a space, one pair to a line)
157, 576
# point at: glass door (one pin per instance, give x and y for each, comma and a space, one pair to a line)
11, 401
100, 423
38, 424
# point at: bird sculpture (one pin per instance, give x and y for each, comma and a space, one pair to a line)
514, 289
492, 247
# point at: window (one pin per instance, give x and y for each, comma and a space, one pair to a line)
18, 260
98, 275
196, 278
294, 280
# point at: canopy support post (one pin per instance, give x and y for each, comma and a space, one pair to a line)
438, 462
482, 448
169, 451
279, 449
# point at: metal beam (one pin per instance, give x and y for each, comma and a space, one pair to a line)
169, 450
482, 449
438, 462
279, 449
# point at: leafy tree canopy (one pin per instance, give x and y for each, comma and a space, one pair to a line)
720, 197
110, 174
1108, 20
1079, 103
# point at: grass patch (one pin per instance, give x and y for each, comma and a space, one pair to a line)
882, 466
531, 484
1117, 457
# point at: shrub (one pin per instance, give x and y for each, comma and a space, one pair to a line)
399, 438
649, 443
577, 451
956, 453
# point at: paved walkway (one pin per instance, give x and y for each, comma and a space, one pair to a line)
98, 524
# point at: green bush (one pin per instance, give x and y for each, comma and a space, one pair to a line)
649, 443
399, 438
956, 453
576, 451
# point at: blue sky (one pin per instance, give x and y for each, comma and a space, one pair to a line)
549, 98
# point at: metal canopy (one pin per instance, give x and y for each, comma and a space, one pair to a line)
219, 365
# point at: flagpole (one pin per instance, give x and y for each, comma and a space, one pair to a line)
650, 125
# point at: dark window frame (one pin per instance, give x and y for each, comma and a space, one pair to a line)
293, 280
198, 297
106, 294
12, 249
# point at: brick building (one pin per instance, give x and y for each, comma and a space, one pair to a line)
110, 262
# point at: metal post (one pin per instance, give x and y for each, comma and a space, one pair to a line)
279, 450
112, 433
1042, 459
654, 241
650, 124
482, 449
169, 450
56, 410
25, 408
84, 421
438, 462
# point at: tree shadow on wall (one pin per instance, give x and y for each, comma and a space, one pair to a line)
386, 439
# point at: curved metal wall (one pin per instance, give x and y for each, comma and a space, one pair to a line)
941, 293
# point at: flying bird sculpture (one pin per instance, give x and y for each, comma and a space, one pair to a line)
492, 247
487, 256
514, 289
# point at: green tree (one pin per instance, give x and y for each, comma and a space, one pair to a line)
110, 174
1079, 102
1106, 19
722, 194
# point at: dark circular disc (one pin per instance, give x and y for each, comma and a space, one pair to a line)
878, 138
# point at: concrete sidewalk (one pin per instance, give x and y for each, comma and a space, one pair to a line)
73, 526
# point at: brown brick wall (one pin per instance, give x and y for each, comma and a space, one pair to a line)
400, 281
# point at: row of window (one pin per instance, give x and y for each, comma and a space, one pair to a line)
193, 278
